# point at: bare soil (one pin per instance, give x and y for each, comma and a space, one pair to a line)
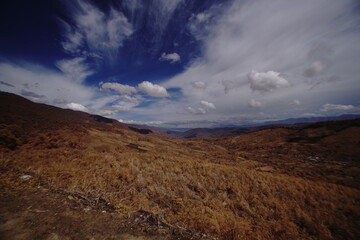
34, 212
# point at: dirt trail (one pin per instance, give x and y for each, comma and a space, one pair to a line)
38, 213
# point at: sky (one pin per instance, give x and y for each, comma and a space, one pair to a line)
184, 63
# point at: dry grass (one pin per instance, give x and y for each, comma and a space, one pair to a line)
191, 184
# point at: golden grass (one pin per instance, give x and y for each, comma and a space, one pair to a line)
225, 188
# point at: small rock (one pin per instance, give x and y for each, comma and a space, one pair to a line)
25, 177
87, 209
313, 158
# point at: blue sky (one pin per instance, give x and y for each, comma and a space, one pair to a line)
181, 63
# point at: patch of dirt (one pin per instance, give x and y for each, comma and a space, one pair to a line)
39, 213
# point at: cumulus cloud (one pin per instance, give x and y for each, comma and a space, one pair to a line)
75, 69
255, 104
77, 107
198, 110
121, 88
267, 81
172, 57
207, 105
153, 90
336, 107
204, 107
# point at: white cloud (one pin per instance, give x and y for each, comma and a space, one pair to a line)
295, 102
199, 25
53, 87
336, 107
199, 84
149, 123
255, 104
311, 115
204, 107
207, 105
95, 33
121, 88
153, 90
198, 110
77, 107
120, 108
130, 99
172, 57
191, 110
267, 81
74, 40
75, 69
286, 37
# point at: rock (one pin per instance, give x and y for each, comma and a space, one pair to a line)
25, 177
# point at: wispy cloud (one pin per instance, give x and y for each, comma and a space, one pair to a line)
44, 84
336, 107
118, 87
94, 33
75, 69
171, 57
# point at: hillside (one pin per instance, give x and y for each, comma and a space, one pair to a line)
275, 183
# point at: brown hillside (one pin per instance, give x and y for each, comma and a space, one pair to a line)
276, 183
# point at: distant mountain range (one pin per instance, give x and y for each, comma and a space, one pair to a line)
233, 131
309, 120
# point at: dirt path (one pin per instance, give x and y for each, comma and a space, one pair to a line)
38, 213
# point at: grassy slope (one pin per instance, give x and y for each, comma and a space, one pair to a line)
254, 186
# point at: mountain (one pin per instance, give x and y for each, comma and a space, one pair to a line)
233, 131
310, 120
212, 132
72, 175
